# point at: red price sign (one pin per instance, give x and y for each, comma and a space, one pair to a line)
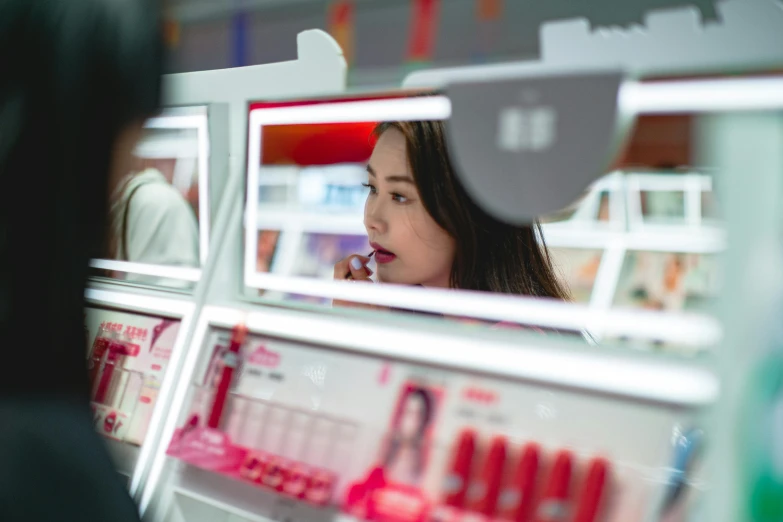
111, 327
134, 333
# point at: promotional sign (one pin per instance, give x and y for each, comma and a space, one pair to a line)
127, 359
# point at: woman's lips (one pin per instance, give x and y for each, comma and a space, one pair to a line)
382, 255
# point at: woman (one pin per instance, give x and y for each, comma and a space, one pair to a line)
404, 458
425, 230
78, 79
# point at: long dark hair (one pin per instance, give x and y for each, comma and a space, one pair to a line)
490, 255
75, 75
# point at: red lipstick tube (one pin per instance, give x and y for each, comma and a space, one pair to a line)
457, 481
517, 499
554, 503
230, 363
484, 490
596, 483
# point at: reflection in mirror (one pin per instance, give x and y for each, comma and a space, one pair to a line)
158, 229
344, 196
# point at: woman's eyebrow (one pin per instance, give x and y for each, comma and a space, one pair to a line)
399, 179
390, 179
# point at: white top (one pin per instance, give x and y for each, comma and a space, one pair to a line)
161, 226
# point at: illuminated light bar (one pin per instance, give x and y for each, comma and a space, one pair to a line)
169, 272
712, 95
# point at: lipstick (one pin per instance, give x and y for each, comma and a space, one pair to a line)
484, 490
596, 483
349, 276
382, 255
230, 363
554, 503
457, 480
517, 500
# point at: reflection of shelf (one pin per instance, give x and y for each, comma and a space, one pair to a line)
341, 174
660, 239
275, 218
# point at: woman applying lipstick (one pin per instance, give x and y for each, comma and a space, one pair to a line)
425, 230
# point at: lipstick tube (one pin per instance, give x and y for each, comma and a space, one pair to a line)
230, 363
100, 349
517, 499
595, 484
554, 502
485, 488
457, 480
106, 385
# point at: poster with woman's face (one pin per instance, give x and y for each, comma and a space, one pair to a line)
406, 452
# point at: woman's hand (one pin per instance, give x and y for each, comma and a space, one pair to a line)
354, 268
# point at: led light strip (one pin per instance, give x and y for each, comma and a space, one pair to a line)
714, 95
684, 328
170, 272
176, 122
396, 109
131, 302
592, 370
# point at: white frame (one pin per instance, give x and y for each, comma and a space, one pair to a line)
469, 304
175, 118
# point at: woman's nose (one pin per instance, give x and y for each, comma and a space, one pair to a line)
374, 217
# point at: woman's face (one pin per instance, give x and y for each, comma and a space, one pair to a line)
410, 247
411, 416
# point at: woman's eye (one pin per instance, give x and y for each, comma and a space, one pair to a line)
372, 188
399, 198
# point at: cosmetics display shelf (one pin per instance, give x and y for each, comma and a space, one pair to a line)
292, 424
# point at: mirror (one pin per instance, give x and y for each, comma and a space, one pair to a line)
159, 212
372, 179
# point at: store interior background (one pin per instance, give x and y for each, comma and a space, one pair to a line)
376, 34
